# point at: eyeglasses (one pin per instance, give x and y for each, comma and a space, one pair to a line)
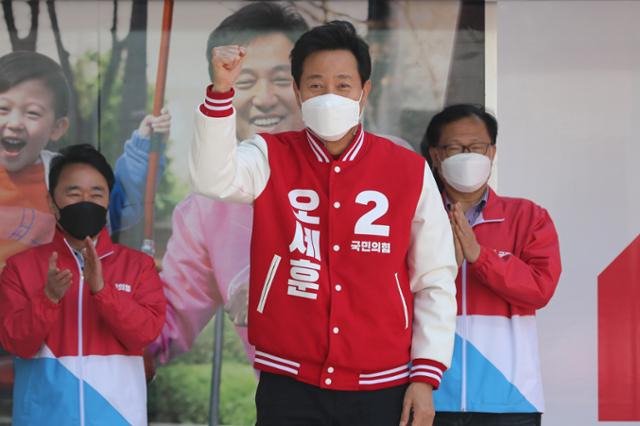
454, 149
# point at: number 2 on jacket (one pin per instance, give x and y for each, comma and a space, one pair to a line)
365, 224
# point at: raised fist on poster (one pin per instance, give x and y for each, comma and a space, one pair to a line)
226, 64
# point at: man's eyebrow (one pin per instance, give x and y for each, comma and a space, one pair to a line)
281, 68
248, 71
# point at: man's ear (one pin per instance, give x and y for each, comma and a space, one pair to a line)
296, 92
435, 158
492, 152
52, 206
366, 89
60, 127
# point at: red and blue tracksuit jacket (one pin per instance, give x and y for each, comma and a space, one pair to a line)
495, 365
79, 361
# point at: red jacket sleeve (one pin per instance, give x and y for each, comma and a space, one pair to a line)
427, 371
528, 280
25, 319
135, 320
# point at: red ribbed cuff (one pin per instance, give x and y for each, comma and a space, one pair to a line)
427, 371
217, 104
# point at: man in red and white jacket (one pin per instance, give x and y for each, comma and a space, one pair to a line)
509, 259
77, 312
352, 257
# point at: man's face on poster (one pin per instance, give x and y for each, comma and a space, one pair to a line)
264, 100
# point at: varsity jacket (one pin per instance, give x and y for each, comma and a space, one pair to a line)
495, 366
79, 361
352, 269
200, 272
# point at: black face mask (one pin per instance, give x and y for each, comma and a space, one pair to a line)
83, 219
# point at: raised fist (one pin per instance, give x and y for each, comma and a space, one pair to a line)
226, 64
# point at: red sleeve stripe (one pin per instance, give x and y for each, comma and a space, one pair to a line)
212, 113
217, 104
211, 93
426, 374
428, 371
430, 380
421, 362
426, 368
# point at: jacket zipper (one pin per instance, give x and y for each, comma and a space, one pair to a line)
80, 349
463, 400
404, 303
464, 325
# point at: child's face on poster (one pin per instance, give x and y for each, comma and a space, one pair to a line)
264, 100
27, 124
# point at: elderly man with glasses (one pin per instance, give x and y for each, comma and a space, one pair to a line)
509, 259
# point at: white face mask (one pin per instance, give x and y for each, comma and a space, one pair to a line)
331, 116
466, 172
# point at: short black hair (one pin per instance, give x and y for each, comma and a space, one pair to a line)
255, 20
335, 35
79, 154
18, 67
454, 113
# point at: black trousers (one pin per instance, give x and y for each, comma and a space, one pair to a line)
283, 401
487, 419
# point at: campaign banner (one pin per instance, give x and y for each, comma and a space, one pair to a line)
425, 55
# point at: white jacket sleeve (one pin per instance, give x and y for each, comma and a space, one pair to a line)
432, 271
219, 167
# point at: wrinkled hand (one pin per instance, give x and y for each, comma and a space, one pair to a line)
456, 243
92, 266
155, 124
464, 234
226, 64
58, 282
418, 405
